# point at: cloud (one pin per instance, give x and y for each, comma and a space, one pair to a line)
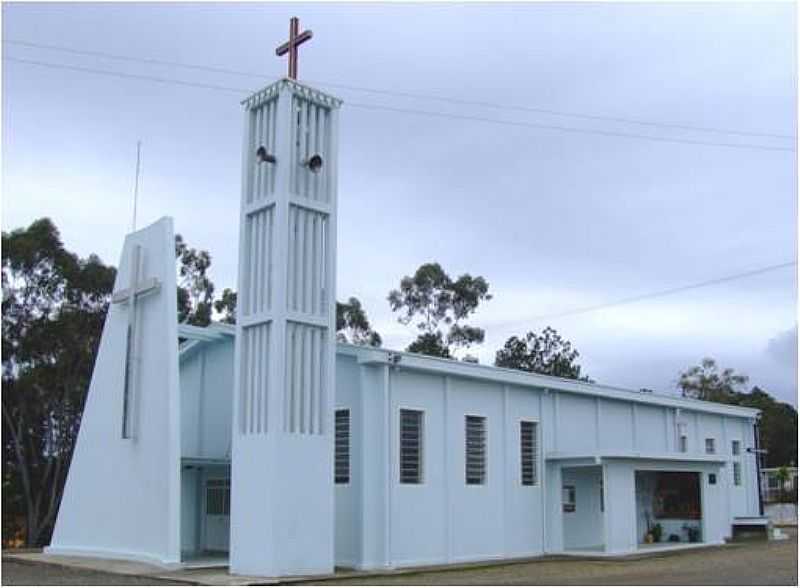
782, 348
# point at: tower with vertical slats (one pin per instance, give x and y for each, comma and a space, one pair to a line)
282, 472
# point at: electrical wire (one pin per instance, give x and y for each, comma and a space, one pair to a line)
661, 293
451, 116
446, 99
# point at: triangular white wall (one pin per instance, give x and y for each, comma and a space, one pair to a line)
122, 496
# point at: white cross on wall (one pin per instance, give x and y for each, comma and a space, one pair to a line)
130, 296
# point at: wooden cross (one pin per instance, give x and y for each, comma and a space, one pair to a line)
290, 46
130, 295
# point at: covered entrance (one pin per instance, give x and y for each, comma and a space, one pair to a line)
582, 508
205, 511
668, 508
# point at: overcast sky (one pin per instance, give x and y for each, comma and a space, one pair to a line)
554, 220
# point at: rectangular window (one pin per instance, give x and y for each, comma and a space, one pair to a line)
683, 444
568, 498
475, 449
411, 431
711, 446
529, 458
218, 497
737, 473
712, 479
342, 447
736, 447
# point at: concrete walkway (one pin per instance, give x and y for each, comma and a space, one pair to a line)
740, 563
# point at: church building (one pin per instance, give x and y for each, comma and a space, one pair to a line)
271, 448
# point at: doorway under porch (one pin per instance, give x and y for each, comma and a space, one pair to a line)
205, 512
582, 508
668, 508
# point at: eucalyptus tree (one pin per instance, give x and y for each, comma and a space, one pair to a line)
433, 299
54, 306
546, 353
352, 324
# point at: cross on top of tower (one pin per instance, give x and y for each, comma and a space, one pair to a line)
290, 46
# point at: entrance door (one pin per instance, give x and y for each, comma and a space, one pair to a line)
218, 514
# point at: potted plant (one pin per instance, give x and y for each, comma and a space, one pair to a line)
657, 531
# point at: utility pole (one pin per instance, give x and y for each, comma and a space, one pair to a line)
136, 185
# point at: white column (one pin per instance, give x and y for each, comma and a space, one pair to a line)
282, 494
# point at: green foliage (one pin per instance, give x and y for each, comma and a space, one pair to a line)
706, 382
352, 324
657, 532
432, 297
546, 353
195, 288
777, 426
226, 306
54, 307
778, 420
430, 344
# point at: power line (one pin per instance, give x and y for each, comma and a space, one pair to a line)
561, 128
570, 129
661, 293
119, 74
446, 99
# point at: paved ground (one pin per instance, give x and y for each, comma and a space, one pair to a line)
752, 563
30, 574
746, 563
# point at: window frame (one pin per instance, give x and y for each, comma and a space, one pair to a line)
534, 453
737, 473
336, 477
736, 447
711, 449
484, 455
683, 444
420, 446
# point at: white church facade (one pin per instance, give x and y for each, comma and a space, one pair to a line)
270, 446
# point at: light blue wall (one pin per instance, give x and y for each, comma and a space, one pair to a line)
380, 523
585, 526
206, 386
347, 527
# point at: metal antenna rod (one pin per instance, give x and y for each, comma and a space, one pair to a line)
136, 186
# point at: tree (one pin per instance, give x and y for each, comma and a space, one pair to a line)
706, 382
777, 423
54, 306
195, 288
352, 324
546, 354
226, 306
432, 297
777, 426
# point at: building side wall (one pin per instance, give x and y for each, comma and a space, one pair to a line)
347, 516
206, 384
442, 519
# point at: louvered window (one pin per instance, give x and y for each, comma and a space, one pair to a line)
342, 449
411, 446
737, 473
218, 497
711, 446
736, 447
475, 441
529, 453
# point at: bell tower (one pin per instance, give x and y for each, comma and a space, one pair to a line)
282, 493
